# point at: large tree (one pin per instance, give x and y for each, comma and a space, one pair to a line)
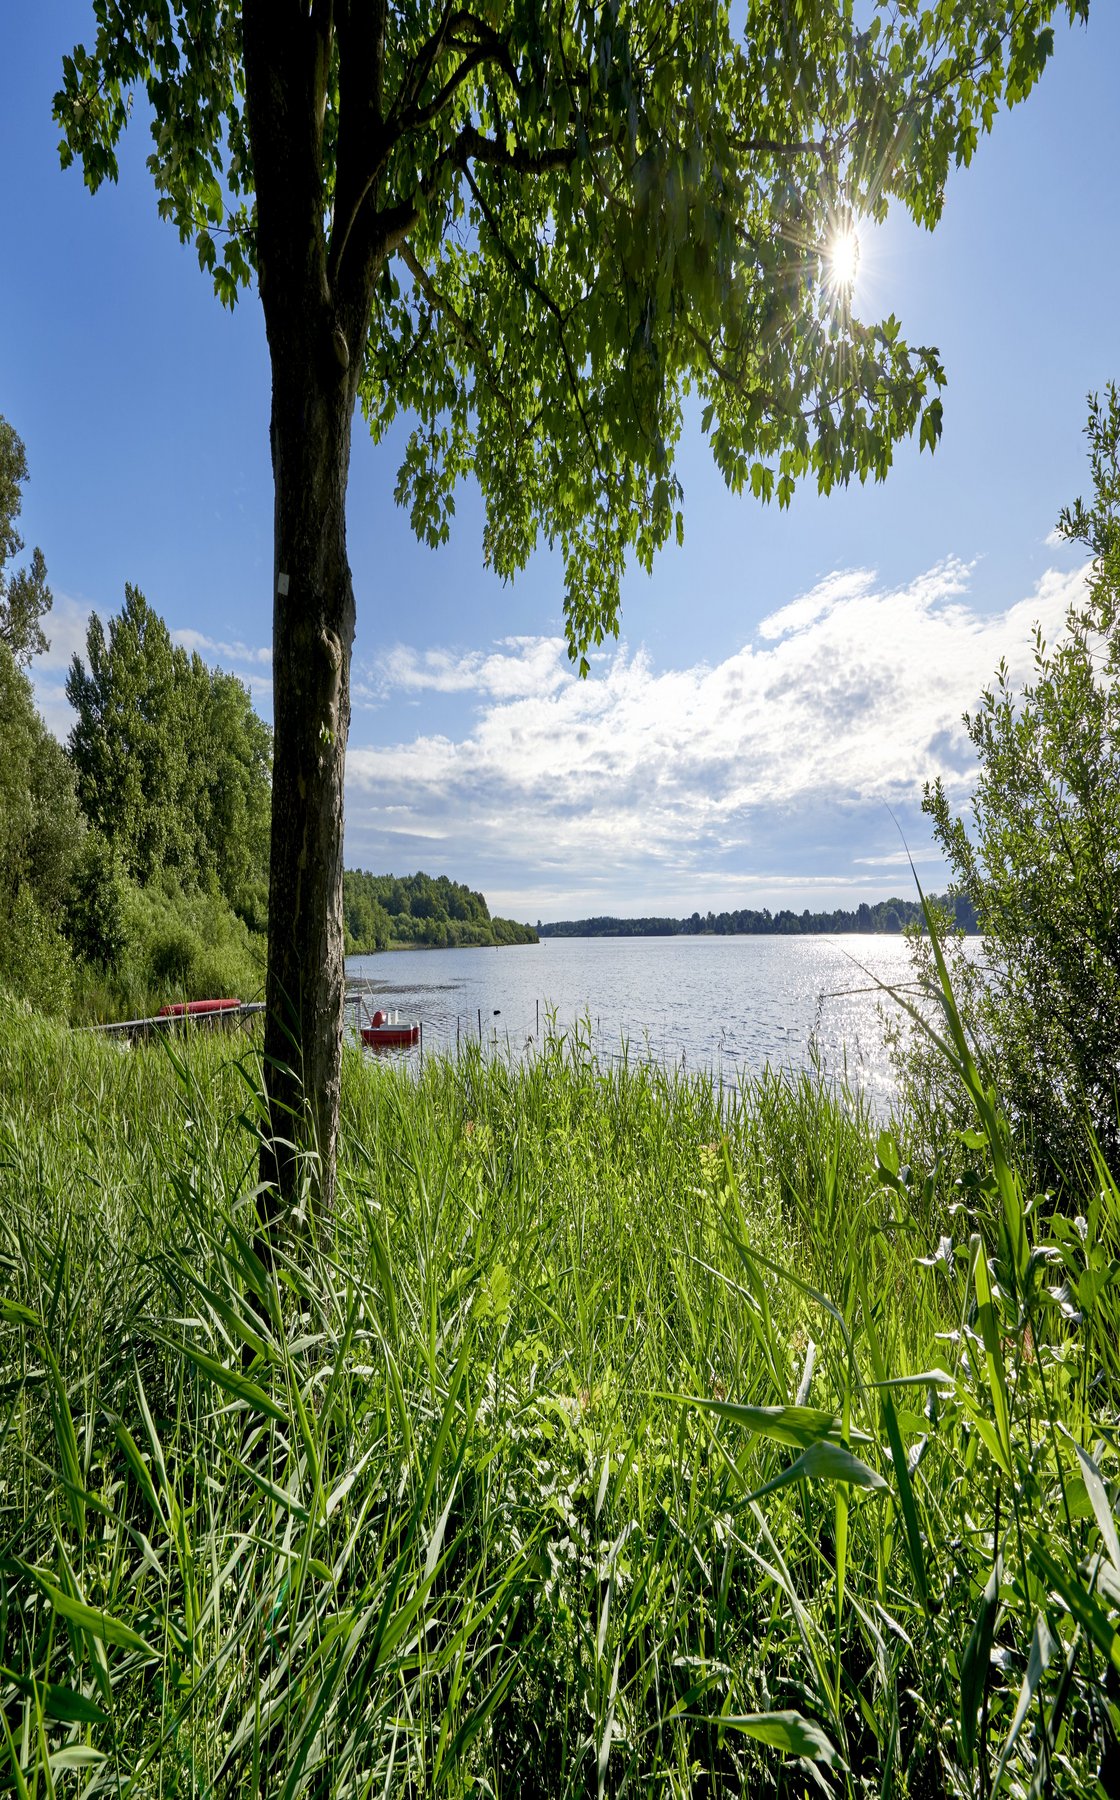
171, 760
125, 744
536, 230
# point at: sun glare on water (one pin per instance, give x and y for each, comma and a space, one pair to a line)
843, 259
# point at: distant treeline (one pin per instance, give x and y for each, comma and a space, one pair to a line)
383, 910
886, 915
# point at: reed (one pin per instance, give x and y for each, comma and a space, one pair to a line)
622, 1437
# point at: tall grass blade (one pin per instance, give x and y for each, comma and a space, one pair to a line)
1043, 1645
976, 1662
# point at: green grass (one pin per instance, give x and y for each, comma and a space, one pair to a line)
615, 1441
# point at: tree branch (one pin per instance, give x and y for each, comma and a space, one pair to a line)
417, 117
280, 114
423, 64
361, 145
322, 31
470, 145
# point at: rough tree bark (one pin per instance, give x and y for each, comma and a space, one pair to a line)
316, 319
313, 630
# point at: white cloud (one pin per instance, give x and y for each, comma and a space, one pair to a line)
55, 708
655, 781
762, 779
520, 666
893, 859
845, 584
65, 626
208, 647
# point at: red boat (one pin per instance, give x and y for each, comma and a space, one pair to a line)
192, 1009
380, 1035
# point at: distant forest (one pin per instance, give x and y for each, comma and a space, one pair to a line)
886, 915
381, 911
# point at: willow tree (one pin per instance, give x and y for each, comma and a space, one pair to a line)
535, 230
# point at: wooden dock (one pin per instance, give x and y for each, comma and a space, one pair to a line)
140, 1030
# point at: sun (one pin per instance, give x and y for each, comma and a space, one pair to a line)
842, 257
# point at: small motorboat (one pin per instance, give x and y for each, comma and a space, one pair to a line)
383, 1034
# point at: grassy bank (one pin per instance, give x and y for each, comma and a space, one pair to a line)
614, 1443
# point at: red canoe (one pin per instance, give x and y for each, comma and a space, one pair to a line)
190, 1009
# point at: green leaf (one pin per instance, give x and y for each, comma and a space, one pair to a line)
824, 1461
101, 1625
61, 1703
66, 1439
13, 1761
899, 1468
1098, 1498
993, 1353
927, 1378
1043, 1646
231, 1380
797, 1426
138, 1466
13, 1313
1083, 1605
789, 1732
75, 1756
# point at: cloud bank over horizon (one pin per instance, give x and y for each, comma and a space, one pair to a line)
779, 776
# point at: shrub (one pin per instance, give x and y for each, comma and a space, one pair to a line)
1040, 858
35, 960
95, 904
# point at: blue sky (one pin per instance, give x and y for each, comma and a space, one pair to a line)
784, 683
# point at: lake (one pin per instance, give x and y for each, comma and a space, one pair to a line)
725, 1003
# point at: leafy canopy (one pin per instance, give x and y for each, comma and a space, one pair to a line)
584, 218
1040, 861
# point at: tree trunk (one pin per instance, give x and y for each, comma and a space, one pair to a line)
313, 632
317, 306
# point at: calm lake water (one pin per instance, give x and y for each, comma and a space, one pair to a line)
725, 1003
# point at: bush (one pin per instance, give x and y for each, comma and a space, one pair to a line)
1040, 859
35, 960
176, 945
172, 955
95, 904
190, 945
